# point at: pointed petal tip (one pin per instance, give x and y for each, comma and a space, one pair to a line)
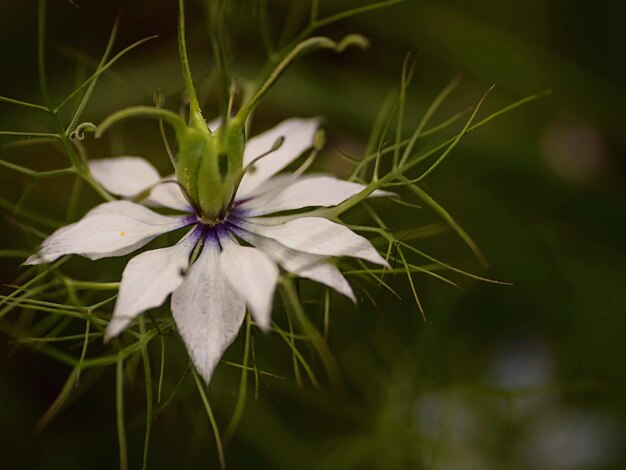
205, 367
205, 374
253, 275
385, 263
345, 290
265, 327
376, 258
111, 332
110, 229
32, 260
263, 316
208, 313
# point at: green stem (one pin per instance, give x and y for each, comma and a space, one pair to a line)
386, 181
149, 400
92, 285
426, 118
243, 386
92, 85
37, 174
85, 174
215, 20
315, 7
294, 357
100, 71
184, 63
59, 402
25, 286
209, 411
119, 407
407, 75
301, 48
41, 53
356, 11
143, 111
78, 161
290, 294
4, 99
423, 195
36, 135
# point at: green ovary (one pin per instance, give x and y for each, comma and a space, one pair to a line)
209, 166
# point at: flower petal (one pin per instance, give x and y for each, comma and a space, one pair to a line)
124, 176
168, 194
298, 134
305, 265
207, 311
317, 236
130, 176
215, 124
112, 229
272, 185
253, 275
148, 279
308, 191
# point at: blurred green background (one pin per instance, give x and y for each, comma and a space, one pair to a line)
523, 376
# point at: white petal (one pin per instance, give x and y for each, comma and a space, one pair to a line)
148, 279
298, 135
168, 194
308, 191
272, 185
112, 229
130, 176
128, 208
327, 273
318, 236
305, 265
253, 275
215, 124
124, 176
207, 311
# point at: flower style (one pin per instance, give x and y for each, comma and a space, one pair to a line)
209, 297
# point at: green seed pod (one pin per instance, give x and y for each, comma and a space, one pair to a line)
208, 165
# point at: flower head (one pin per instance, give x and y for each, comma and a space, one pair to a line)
241, 248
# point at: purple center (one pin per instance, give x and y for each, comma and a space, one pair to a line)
206, 232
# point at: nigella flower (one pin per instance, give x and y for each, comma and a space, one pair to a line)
241, 249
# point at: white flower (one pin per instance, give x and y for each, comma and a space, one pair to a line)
209, 298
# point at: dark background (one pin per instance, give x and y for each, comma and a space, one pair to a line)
522, 376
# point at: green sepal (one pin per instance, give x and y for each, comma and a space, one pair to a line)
208, 165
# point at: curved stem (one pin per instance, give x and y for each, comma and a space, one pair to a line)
318, 42
142, 111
